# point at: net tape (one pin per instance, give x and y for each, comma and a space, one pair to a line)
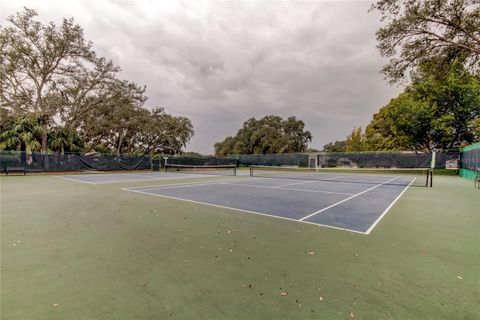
225, 169
414, 176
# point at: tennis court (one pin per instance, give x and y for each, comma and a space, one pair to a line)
95, 251
349, 201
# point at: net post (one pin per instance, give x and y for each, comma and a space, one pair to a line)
235, 170
430, 170
251, 171
166, 163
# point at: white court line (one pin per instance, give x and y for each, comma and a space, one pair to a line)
389, 207
65, 178
242, 210
146, 179
150, 179
111, 181
185, 184
306, 181
284, 188
294, 184
342, 201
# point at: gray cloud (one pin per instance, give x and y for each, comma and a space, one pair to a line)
220, 63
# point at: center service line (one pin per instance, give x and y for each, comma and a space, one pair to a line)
342, 201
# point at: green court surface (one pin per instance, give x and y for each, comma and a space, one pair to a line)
80, 251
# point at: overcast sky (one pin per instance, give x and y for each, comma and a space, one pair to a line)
222, 62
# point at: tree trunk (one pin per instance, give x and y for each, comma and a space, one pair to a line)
119, 145
44, 140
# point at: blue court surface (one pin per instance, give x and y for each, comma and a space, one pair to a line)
340, 203
107, 178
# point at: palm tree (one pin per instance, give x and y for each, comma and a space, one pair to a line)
22, 133
63, 140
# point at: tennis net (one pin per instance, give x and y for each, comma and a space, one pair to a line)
228, 170
421, 177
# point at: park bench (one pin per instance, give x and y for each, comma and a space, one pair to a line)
15, 169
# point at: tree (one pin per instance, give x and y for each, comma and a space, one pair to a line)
337, 146
22, 133
436, 111
382, 133
117, 115
476, 130
414, 119
268, 135
227, 146
38, 62
193, 154
91, 88
355, 141
52, 72
454, 99
63, 140
419, 31
165, 133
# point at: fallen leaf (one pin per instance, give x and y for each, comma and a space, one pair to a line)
311, 253
284, 293
55, 304
352, 315
459, 278
321, 298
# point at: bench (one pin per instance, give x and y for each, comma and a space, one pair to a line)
477, 178
15, 169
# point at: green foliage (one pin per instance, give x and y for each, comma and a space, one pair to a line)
63, 140
37, 62
420, 31
22, 133
382, 134
475, 130
268, 135
436, 111
337, 146
193, 154
52, 72
130, 129
355, 141
455, 100
164, 133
